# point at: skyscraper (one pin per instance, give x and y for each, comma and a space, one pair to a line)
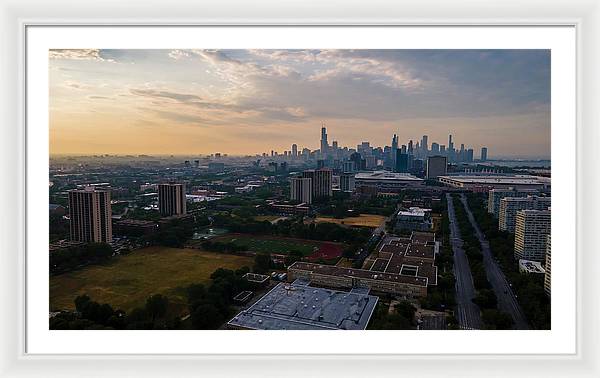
324, 144
483, 154
531, 234
450, 144
294, 150
424, 145
401, 162
301, 189
436, 166
90, 215
435, 148
171, 199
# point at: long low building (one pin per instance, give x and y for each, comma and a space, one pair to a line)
297, 306
485, 183
386, 181
346, 278
403, 267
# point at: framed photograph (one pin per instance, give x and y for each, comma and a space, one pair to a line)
290, 191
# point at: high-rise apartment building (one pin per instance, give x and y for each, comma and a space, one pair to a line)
322, 185
171, 199
547, 278
301, 189
495, 195
347, 182
436, 166
510, 206
532, 228
90, 215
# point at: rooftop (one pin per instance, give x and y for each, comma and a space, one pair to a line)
496, 179
386, 175
332, 270
301, 307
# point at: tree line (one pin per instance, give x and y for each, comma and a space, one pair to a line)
529, 288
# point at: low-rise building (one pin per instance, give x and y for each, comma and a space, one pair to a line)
485, 182
385, 181
414, 219
404, 267
298, 306
528, 266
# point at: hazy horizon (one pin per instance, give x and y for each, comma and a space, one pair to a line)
246, 102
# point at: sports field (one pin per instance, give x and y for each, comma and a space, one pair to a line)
269, 244
126, 282
363, 220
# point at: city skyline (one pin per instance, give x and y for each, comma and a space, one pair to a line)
247, 102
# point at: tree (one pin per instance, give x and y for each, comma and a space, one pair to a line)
262, 263
156, 306
406, 309
206, 316
81, 301
292, 257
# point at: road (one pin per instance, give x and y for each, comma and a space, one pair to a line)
467, 312
507, 301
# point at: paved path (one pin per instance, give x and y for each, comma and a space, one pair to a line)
507, 301
467, 312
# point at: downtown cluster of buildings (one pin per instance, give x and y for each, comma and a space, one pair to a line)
407, 158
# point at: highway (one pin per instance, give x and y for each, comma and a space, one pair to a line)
507, 301
467, 312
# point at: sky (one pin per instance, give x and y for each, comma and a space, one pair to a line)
253, 101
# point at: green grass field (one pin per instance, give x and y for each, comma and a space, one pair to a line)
126, 282
271, 244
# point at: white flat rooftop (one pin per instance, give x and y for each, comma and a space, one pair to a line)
386, 175
493, 179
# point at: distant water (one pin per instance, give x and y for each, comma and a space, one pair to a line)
519, 163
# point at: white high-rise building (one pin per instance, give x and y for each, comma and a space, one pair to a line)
347, 182
301, 190
510, 206
531, 234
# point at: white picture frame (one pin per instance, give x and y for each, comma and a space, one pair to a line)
17, 16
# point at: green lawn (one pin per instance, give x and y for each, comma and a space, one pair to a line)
127, 281
271, 244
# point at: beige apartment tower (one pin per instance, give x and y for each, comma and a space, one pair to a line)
90, 215
547, 279
531, 232
301, 190
322, 182
509, 207
171, 199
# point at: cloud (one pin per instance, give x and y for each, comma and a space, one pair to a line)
78, 54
